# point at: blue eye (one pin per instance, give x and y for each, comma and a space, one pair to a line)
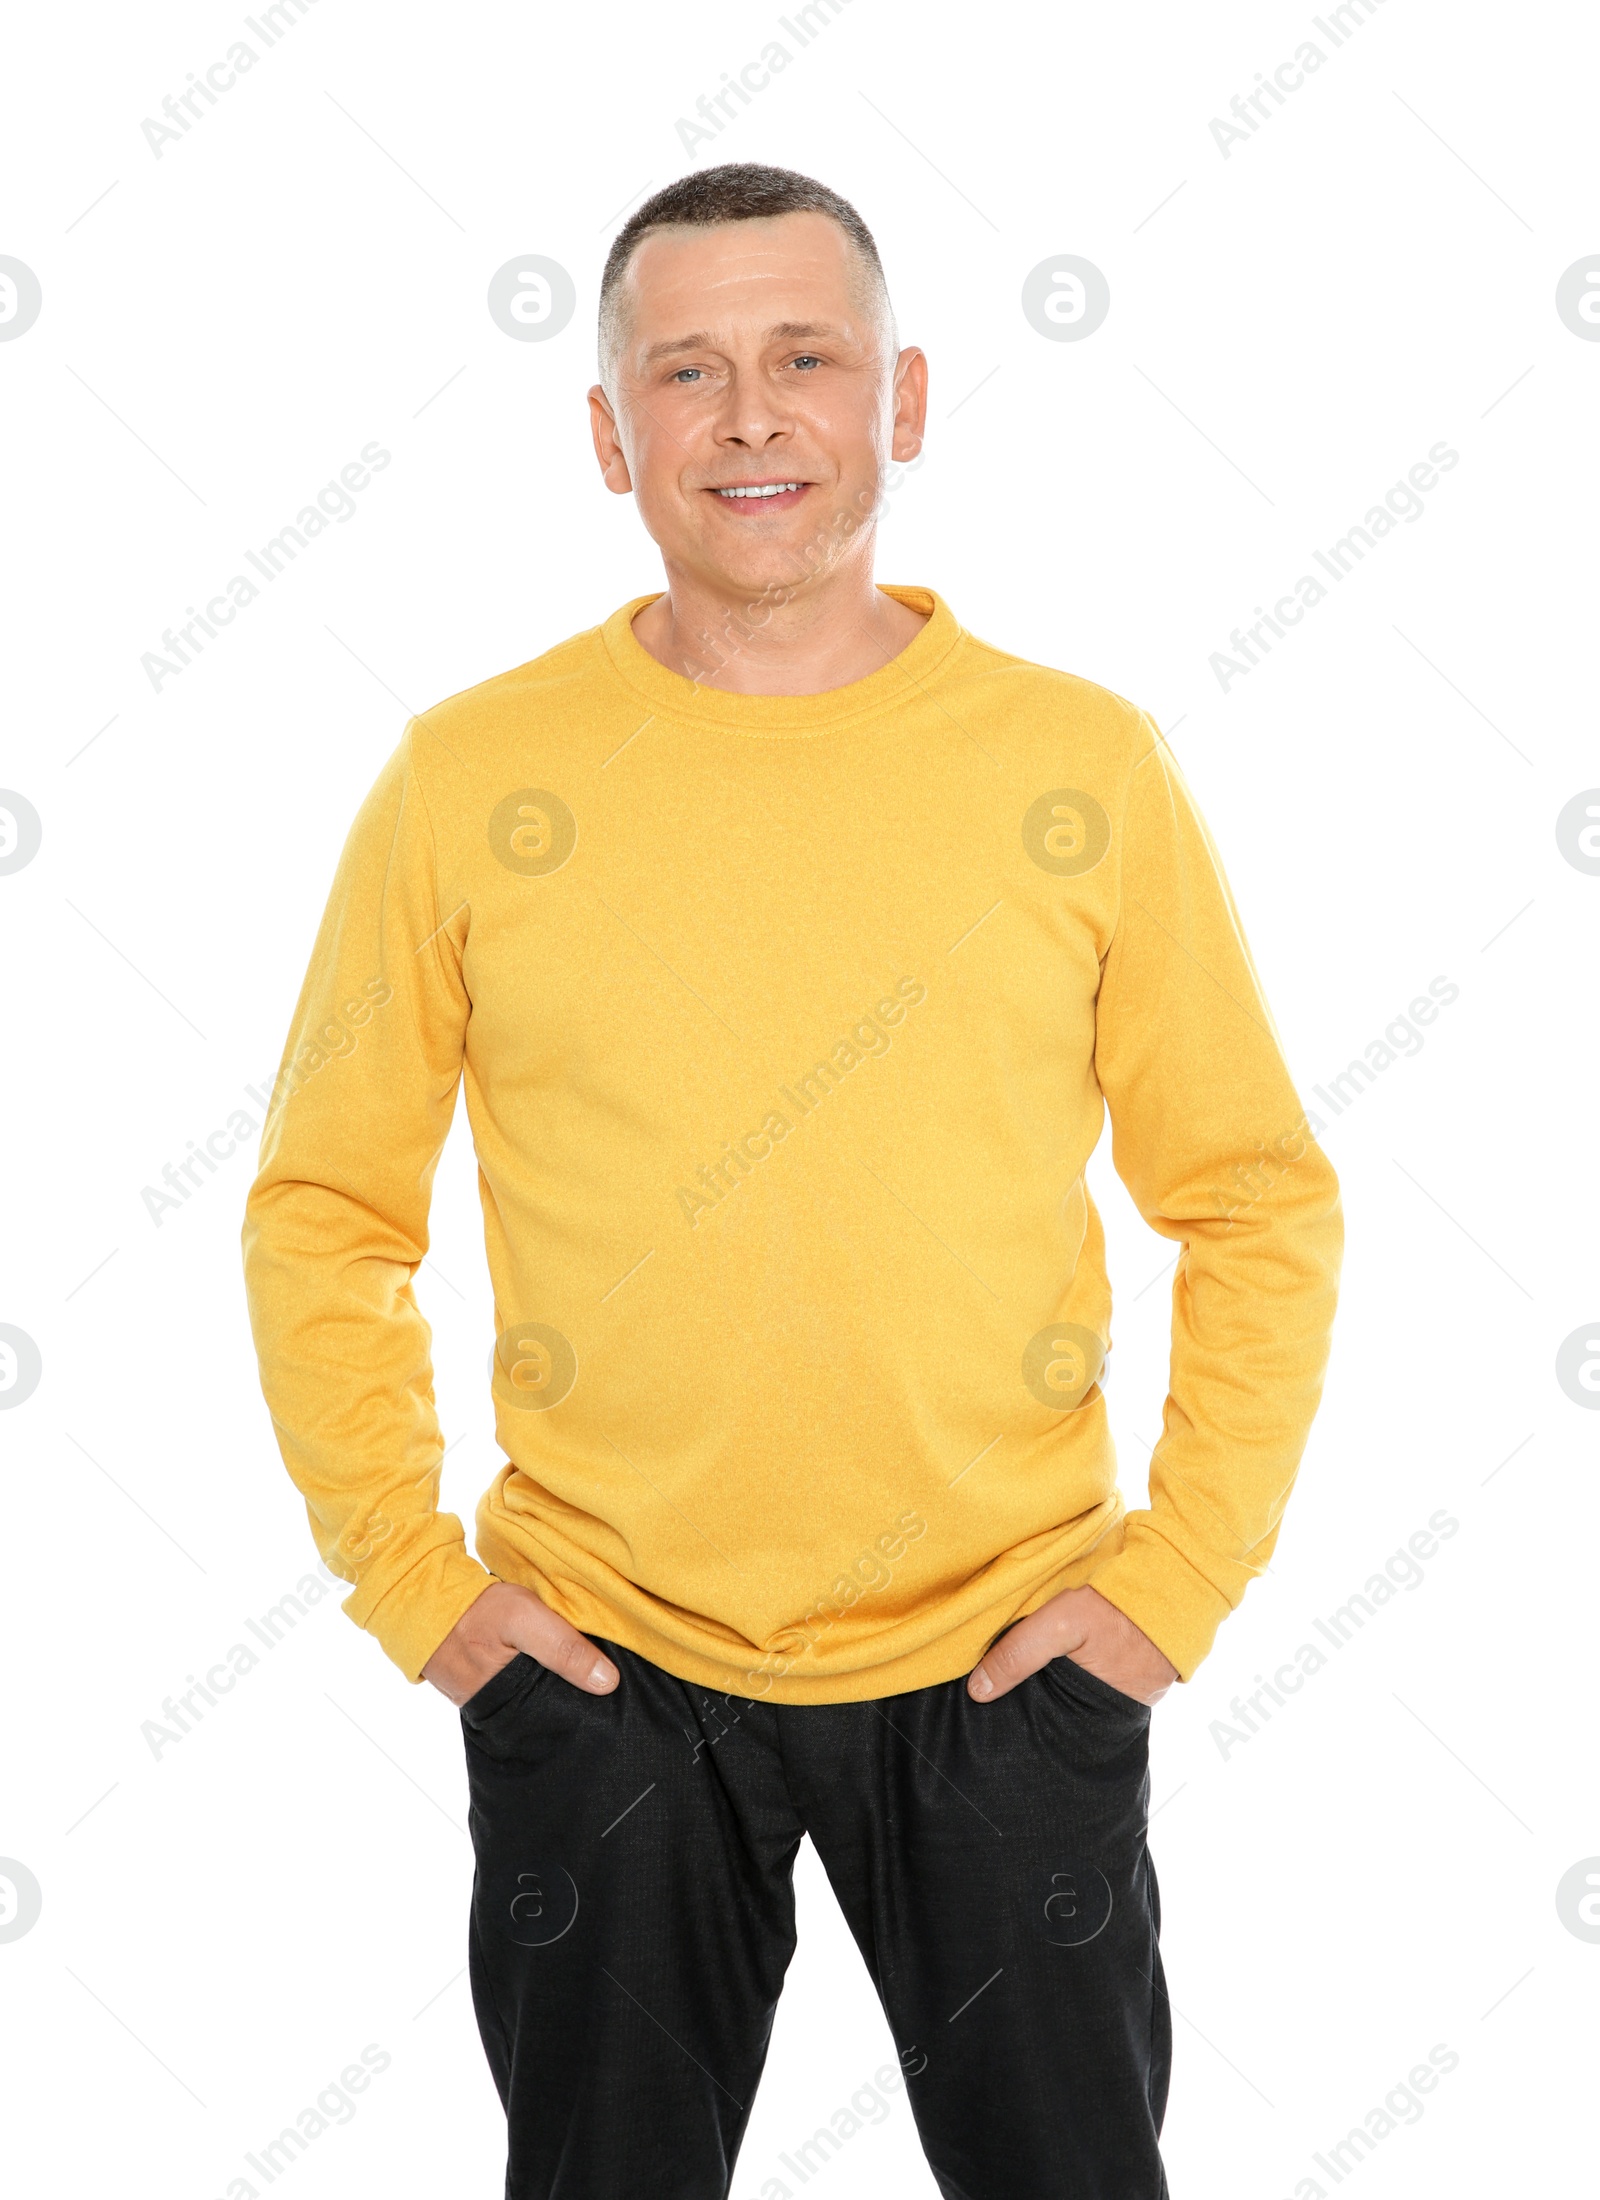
807, 359
684, 374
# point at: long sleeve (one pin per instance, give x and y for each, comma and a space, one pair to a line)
1215, 1148
336, 1226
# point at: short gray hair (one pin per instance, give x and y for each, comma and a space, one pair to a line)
738, 191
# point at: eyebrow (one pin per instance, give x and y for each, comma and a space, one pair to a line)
702, 340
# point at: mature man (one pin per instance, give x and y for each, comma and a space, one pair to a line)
792, 943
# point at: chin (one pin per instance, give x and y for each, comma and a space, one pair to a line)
770, 565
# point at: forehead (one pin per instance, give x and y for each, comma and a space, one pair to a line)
792, 267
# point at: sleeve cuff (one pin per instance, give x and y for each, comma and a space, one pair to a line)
1153, 1584
412, 1619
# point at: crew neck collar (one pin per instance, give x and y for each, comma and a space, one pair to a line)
674, 694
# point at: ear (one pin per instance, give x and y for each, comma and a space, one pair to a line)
910, 404
608, 444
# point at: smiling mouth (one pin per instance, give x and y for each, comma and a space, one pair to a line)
747, 495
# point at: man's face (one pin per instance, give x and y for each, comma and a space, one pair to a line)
754, 358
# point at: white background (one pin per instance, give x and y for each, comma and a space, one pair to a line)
1291, 328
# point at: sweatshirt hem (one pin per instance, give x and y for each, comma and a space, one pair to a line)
928, 1664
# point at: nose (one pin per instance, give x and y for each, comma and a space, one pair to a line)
753, 418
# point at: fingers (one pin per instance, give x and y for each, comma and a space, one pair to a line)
507, 1618
1021, 1650
545, 1636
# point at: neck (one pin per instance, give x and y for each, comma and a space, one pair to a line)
829, 630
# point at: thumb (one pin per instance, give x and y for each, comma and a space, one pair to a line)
1021, 1650
556, 1644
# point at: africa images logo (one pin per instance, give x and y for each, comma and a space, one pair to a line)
532, 832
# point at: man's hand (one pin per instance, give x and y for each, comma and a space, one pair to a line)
504, 1620
1082, 1625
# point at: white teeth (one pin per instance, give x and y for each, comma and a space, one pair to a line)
769, 489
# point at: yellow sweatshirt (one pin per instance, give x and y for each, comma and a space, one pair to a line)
788, 1025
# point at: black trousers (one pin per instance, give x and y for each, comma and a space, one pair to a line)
633, 1917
